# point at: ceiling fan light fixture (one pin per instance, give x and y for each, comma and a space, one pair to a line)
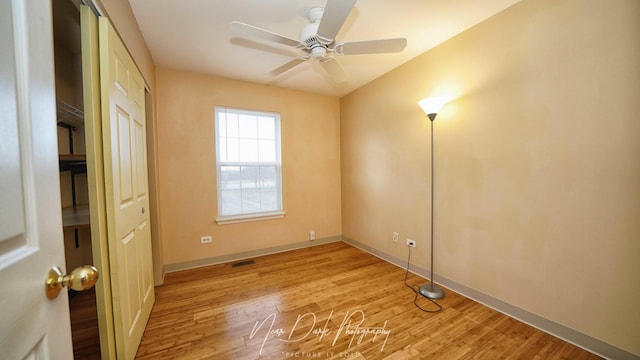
318, 52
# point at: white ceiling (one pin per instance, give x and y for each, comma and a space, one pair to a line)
194, 35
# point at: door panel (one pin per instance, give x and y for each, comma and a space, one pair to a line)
124, 158
126, 188
95, 177
31, 239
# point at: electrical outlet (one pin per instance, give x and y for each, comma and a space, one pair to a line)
411, 243
312, 235
205, 239
395, 236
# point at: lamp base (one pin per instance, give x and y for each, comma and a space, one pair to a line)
431, 291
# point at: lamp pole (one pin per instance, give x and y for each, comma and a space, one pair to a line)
430, 290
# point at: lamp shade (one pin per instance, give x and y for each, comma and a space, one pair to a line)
432, 105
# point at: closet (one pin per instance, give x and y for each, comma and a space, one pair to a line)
73, 172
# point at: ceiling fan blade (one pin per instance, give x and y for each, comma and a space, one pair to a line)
334, 15
288, 66
335, 70
250, 30
371, 47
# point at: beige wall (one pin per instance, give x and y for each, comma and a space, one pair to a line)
537, 162
186, 165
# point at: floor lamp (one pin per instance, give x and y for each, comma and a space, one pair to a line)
431, 106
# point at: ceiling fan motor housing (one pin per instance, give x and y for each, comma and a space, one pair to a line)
315, 14
309, 37
308, 34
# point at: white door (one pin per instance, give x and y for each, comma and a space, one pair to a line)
31, 240
126, 188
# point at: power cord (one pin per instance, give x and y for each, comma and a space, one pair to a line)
416, 291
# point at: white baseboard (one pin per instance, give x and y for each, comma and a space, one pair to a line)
247, 254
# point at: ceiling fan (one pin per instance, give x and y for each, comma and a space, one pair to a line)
317, 39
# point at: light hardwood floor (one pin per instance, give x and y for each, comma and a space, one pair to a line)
327, 302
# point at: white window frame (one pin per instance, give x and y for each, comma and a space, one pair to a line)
244, 216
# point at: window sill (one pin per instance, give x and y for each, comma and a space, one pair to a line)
233, 219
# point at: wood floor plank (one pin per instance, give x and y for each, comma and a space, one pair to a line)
331, 301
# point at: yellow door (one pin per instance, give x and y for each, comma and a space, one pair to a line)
126, 189
95, 177
31, 242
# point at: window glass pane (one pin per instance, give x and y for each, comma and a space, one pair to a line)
229, 177
222, 144
268, 177
266, 128
232, 126
269, 199
251, 201
222, 124
248, 150
248, 127
267, 150
249, 177
233, 150
230, 202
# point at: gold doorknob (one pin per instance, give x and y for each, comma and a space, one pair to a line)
81, 278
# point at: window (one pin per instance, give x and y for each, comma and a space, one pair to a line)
248, 165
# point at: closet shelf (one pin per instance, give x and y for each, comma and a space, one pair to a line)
76, 163
75, 217
68, 114
72, 157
